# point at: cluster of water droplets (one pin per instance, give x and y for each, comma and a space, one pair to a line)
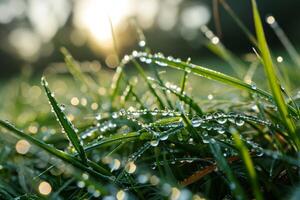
176, 161
222, 118
136, 113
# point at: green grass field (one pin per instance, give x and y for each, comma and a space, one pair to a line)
157, 128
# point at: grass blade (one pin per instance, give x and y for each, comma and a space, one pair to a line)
152, 90
76, 72
271, 75
234, 185
53, 151
65, 123
182, 97
210, 74
244, 153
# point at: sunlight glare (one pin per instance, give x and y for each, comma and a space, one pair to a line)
93, 16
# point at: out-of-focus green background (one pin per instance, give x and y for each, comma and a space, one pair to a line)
32, 31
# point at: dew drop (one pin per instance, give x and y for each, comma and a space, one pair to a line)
239, 122
154, 143
165, 137
222, 120
205, 141
98, 117
62, 107
196, 121
221, 131
253, 86
115, 115
188, 70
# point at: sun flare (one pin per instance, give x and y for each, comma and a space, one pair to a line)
94, 17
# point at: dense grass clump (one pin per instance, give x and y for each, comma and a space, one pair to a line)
144, 137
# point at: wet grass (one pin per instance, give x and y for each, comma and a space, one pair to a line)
147, 135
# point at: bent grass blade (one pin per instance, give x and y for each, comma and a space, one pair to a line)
65, 123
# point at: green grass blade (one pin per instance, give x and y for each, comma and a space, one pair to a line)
183, 97
76, 72
234, 185
271, 76
152, 90
183, 82
211, 74
116, 138
244, 154
65, 123
53, 151
116, 82
159, 79
228, 57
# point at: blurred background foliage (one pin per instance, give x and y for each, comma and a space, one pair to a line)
32, 31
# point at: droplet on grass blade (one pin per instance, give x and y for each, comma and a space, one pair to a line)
196, 121
154, 143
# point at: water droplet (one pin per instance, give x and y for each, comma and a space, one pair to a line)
188, 70
205, 141
222, 120
208, 117
62, 107
115, 115
154, 143
239, 122
196, 121
253, 86
165, 137
221, 130
98, 117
